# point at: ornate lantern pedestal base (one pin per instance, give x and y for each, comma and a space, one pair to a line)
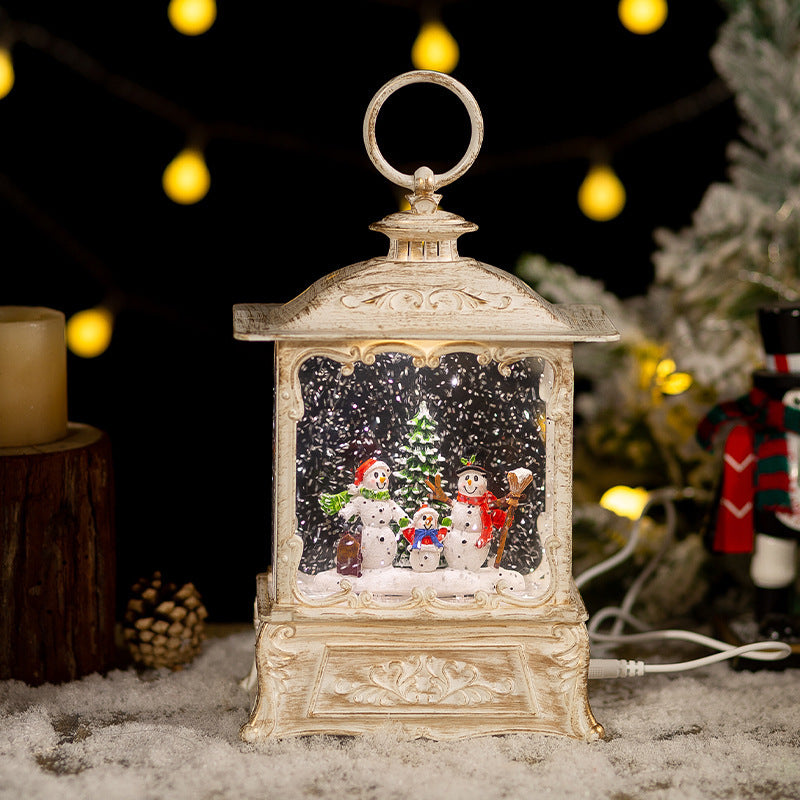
440, 678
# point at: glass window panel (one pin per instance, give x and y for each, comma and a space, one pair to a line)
419, 420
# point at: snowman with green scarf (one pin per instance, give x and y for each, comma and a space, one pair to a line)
367, 499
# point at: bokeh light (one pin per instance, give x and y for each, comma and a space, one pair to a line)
186, 179
435, 48
89, 332
625, 501
642, 16
6, 72
192, 17
601, 196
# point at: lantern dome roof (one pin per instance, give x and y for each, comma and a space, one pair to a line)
422, 290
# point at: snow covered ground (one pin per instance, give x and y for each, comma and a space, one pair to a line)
710, 733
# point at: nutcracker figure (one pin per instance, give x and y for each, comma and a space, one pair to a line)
759, 503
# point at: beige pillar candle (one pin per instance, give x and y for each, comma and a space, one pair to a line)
33, 376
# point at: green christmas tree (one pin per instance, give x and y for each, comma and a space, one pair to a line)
420, 459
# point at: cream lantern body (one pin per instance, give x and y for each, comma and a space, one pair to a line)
445, 652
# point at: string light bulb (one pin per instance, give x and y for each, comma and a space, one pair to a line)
89, 331
192, 17
186, 179
642, 16
435, 48
6, 72
601, 196
668, 380
625, 501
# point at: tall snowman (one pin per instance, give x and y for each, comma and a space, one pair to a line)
475, 513
367, 499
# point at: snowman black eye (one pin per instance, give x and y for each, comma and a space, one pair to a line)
375, 474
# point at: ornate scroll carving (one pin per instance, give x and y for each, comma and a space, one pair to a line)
275, 659
424, 680
273, 676
408, 299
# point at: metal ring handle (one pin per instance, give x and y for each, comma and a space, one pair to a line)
423, 76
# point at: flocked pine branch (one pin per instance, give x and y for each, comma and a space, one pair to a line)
698, 320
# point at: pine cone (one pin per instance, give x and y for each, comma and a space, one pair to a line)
164, 626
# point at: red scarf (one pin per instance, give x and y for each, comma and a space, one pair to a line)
494, 517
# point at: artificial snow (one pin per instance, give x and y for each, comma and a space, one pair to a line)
710, 733
398, 582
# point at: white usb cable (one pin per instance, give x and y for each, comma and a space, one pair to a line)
623, 668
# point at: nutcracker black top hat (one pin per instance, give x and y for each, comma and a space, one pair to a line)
780, 334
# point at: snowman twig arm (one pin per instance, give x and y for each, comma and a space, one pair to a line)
510, 500
437, 493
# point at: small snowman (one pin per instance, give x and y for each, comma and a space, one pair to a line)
368, 499
475, 512
425, 537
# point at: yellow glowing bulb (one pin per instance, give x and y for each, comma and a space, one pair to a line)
6, 72
435, 48
601, 196
186, 179
625, 501
192, 17
642, 16
669, 381
89, 332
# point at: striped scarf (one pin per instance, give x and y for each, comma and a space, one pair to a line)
769, 420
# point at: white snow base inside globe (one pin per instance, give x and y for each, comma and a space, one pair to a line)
447, 582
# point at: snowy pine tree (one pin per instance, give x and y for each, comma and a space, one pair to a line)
698, 318
419, 461
743, 248
691, 340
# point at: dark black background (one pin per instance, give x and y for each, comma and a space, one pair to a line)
283, 88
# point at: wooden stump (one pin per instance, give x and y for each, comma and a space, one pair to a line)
57, 556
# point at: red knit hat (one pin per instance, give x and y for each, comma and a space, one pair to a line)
364, 466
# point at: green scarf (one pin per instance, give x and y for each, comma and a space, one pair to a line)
333, 503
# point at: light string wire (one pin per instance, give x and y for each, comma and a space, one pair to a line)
618, 668
199, 131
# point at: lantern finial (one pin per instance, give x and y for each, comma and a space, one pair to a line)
424, 200
425, 233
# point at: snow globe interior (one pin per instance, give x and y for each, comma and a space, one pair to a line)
404, 477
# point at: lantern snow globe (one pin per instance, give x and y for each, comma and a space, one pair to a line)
422, 477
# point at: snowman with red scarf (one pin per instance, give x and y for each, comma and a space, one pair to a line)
475, 513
